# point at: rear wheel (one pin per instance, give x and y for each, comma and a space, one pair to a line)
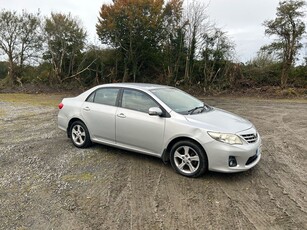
79, 135
188, 159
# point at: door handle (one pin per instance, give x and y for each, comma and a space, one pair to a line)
121, 115
86, 108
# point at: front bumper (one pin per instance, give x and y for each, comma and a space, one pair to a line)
247, 156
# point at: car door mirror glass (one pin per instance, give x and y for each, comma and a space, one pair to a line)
155, 111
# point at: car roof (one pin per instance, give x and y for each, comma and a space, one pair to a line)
139, 86
143, 86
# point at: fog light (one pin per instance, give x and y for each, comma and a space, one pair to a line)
232, 162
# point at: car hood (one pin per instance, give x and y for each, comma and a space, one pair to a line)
220, 121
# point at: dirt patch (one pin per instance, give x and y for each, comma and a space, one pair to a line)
47, 183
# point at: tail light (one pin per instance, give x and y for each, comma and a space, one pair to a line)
61, 105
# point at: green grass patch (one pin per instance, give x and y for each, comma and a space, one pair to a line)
2, 113
32, 99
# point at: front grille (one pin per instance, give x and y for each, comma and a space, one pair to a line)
250, 138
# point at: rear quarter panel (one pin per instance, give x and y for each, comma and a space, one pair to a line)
71, 109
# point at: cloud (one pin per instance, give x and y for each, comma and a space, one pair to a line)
242, 20
86, 11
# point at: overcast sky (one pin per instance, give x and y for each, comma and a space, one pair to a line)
241, 19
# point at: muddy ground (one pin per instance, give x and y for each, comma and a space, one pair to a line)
47, 183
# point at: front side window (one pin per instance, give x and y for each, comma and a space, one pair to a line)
136, 100
105, 96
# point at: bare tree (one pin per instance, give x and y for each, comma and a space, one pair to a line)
20, 40
197, 24
65, 39
217, 52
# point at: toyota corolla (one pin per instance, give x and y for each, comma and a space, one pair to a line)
164, 122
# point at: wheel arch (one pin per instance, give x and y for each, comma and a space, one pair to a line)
166, 152
70, 123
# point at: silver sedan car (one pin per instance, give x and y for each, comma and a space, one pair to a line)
164, 122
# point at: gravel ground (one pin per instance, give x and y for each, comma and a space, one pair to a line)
47, 183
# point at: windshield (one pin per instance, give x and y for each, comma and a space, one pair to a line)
178, 100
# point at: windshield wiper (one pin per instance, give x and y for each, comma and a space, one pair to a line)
203, 107
191, 111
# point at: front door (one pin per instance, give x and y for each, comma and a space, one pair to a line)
135, 128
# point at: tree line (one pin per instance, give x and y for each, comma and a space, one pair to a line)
156, 41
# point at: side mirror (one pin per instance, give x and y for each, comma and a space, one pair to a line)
155, 111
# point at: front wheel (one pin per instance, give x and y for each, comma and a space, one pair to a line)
188, 159
79, 135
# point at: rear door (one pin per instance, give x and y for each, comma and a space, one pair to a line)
99, 112
135, 128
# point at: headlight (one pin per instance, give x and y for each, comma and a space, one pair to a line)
228, 138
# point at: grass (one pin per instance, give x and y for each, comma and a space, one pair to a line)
32, 99
2, 113
79, 177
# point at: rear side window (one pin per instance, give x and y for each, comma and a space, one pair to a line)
105, 96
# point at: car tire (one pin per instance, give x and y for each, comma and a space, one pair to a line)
79, 135
188, 159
